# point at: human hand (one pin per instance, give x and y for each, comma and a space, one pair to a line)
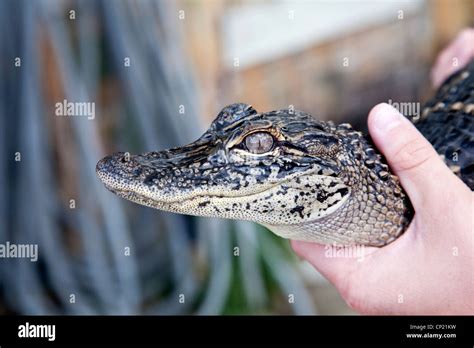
454, 57
429, 269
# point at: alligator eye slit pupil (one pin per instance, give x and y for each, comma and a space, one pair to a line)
259, 142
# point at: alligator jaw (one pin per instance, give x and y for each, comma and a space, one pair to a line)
277, 201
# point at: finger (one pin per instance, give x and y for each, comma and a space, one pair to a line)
453, 57
410, 155
438, 72
334, 263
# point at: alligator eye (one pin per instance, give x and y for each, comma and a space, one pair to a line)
259, 142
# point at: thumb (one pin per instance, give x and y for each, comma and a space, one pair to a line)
421, 171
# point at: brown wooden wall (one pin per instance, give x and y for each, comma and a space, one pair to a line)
386, 61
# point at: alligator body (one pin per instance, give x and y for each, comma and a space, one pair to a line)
302, 178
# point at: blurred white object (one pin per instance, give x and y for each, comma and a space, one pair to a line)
255, 33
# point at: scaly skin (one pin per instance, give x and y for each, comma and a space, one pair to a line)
302, 178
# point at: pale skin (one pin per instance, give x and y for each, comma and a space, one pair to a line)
430, 268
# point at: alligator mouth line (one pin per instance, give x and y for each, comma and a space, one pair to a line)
194, 196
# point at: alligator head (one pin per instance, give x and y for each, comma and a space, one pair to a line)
302, 178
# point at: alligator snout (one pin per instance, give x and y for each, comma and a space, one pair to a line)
118, 170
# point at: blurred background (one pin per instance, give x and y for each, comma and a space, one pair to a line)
157, 73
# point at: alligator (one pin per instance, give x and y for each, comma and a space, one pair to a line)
300, 177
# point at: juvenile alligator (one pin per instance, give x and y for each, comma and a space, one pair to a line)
302, 178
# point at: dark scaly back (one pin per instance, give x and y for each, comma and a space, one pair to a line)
447, 121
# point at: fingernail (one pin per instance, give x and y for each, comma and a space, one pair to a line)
386, 117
